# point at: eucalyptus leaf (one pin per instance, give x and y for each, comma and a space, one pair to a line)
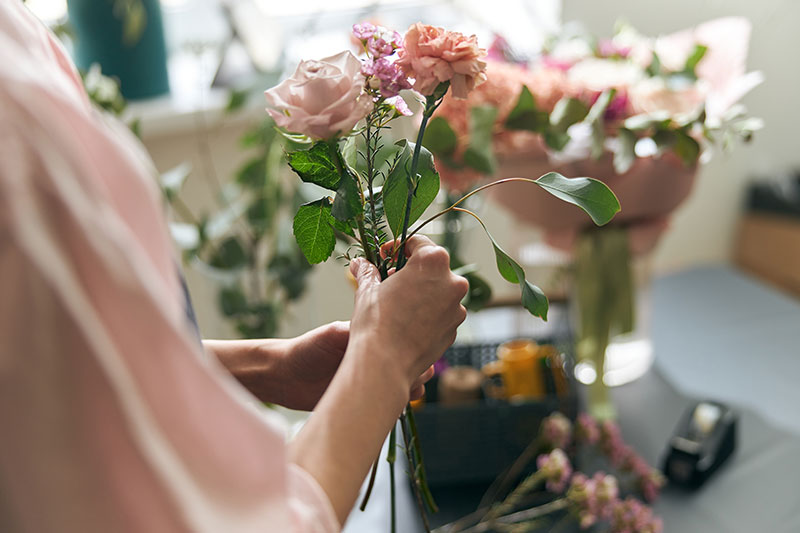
479, 154
525, 115
600, 105
591, 195
533, 299
625, 153
395, 190
439, 137
687, 148
567, 111
313, 230
317, 165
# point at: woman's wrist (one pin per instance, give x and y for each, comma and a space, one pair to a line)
256, 364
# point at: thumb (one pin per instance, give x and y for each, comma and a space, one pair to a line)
365, 273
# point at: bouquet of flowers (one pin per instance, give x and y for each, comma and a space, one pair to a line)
340, 109
636, 112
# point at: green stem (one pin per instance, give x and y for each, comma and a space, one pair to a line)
416, 485
521, 516
430, 106
423, 477
370, 485
391, 459
462, 199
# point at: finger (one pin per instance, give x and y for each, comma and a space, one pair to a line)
387, 249
417, 242
365, 273
417, 392
423, 378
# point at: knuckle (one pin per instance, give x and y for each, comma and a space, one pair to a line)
461, 286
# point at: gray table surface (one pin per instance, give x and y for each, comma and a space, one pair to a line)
720, 335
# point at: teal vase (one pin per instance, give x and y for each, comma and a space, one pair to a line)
126, 37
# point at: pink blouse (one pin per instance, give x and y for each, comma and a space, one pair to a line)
111, 417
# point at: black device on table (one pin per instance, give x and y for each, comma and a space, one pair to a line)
703, 440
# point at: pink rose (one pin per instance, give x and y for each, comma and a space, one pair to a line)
322, 99
433, 55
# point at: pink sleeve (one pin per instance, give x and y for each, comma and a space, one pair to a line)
112, 417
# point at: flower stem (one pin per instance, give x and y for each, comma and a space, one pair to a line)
416, 483
520, 516
391, 459
430, 107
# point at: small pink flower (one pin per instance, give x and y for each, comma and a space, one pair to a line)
583, 499
556, 469
391, 78
322, 99
606, 493
586, 430
364, 30
433, 55
631, 515
401, 107
556, 430
379, 47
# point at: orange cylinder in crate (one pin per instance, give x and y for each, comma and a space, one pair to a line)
522, 369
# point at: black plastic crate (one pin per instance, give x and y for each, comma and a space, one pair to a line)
474, 443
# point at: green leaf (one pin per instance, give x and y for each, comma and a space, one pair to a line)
664, 139
589, 194
600, 105
253, 173
555, 140
654, 68
347, 203
687, 148
533, 299
232, 301
230, 254
395, 190
172, 180
350, 151
479, 154
567, 111
525, 115
439, 137
625, 154
236, 99
694, 58
313, 230
317, 165
648, 120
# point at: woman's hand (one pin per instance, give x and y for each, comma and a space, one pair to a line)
410, 319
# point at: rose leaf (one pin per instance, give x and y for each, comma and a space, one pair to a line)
313, 230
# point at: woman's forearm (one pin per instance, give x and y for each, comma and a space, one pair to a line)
256, 364
340, 441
